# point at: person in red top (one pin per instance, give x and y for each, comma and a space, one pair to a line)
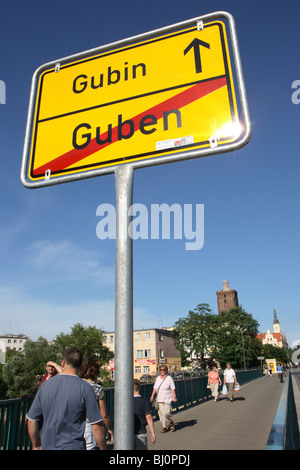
51, 372
214, 381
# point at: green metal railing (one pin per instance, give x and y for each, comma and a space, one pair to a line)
192, 390
13, 428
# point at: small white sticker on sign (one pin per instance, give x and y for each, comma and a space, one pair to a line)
171, 143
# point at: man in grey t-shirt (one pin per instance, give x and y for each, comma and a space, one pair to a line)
62, 405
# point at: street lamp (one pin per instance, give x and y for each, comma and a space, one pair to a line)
243, 331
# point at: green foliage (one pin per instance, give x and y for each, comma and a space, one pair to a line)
105, 379
89, 340
235, 338
228, 337
19, 379
193, 333
273, 352
38, 353
3, 386
23, 371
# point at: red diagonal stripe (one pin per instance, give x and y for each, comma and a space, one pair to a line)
182, 99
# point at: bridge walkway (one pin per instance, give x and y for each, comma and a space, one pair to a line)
243, 424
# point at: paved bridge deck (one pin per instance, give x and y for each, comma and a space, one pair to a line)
243, 424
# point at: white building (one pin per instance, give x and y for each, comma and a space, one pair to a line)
16, 342
277, 338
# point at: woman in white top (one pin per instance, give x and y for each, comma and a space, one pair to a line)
229, 380
165, 388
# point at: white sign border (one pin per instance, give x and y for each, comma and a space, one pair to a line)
188, 154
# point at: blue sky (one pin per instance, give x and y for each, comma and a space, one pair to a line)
55, 272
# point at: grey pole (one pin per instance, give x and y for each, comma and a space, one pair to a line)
243, 350
123, 401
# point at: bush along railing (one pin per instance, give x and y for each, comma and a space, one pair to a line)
13, 427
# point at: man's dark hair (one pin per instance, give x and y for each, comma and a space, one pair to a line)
73, 358
136, 385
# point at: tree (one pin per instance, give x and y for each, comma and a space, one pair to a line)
273, 352
23, 371
192, 334
89, 340
3, 386
38, 353
235, 339
19, 379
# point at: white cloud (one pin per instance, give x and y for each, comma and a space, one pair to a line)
35, 318
64, 260
48, 319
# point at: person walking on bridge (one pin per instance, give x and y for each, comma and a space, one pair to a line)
214, 381
229, 380
164, 387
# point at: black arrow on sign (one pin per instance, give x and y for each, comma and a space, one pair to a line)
195, 44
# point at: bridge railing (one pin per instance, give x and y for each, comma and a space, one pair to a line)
282, 434
192, 390
13, 427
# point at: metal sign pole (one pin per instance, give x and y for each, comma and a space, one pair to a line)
123, 402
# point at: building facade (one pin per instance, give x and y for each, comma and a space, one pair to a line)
8, 341
16, 342
277, 338
151, 348
227, 298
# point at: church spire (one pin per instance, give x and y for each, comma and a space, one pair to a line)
275, 316
276, 324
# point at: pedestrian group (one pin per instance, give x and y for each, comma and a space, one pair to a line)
69, 410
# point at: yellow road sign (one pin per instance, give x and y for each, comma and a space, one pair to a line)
165, 95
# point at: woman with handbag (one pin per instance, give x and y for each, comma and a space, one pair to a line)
164, 388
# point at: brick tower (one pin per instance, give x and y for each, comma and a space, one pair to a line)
227, 298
